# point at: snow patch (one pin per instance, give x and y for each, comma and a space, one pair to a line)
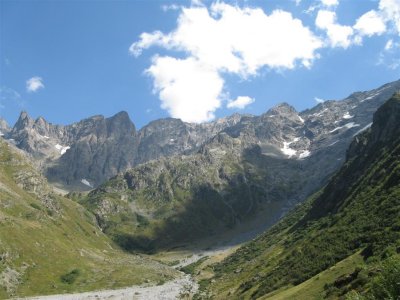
320, 113
362, 129
304, 154
287, 150
347, 116
86, 182
62, 149
371, 96
301, 119
1, 134
347, 126
333, 143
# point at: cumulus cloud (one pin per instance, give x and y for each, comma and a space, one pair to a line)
188, 88
34, 84
338, 35
330, 2
389, 45
390, 10
370, 23
240, 102
376, 22
390, 55
373, 22
218, 40
166, 7
319, 100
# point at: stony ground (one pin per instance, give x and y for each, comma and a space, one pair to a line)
177, 289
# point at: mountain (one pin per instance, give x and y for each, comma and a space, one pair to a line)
253, 171
85, 154
343, 242
50, 244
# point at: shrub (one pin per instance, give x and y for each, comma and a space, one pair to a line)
69, 278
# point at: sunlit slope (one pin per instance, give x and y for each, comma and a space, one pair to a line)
50, 244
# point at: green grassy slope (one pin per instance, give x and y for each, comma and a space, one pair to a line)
50, 244
357, 212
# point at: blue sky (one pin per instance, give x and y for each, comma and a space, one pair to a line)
195, 60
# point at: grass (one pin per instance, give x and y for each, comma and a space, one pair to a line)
44, 247
314, 288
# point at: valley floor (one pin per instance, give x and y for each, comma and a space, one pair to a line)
178, 288
181, 288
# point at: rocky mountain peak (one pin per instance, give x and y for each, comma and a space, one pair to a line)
23, 121
282, 108
120, 124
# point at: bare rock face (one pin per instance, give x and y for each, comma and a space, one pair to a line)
85, 154
4, 128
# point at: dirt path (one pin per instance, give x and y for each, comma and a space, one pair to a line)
170, 290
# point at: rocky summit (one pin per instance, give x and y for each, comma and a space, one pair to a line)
85, 154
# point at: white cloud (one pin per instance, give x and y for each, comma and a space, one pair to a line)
223, 39
370, 23
338, 35
297, 2
10, 96
390, 55
166, 7
188, 89
330, 2
389, 45
319, 100
197, 3
7, 93
33, 84
391, 12
240, 102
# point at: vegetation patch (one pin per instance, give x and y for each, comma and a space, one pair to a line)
70, 277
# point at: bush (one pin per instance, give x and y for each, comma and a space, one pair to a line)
387, 284
70, 277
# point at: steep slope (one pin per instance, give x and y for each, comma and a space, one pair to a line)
85, 154
353, 222
50, 244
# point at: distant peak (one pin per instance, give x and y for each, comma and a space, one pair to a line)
41, 121
23, 121
23, 115
121, 115
282, 108
119, 120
